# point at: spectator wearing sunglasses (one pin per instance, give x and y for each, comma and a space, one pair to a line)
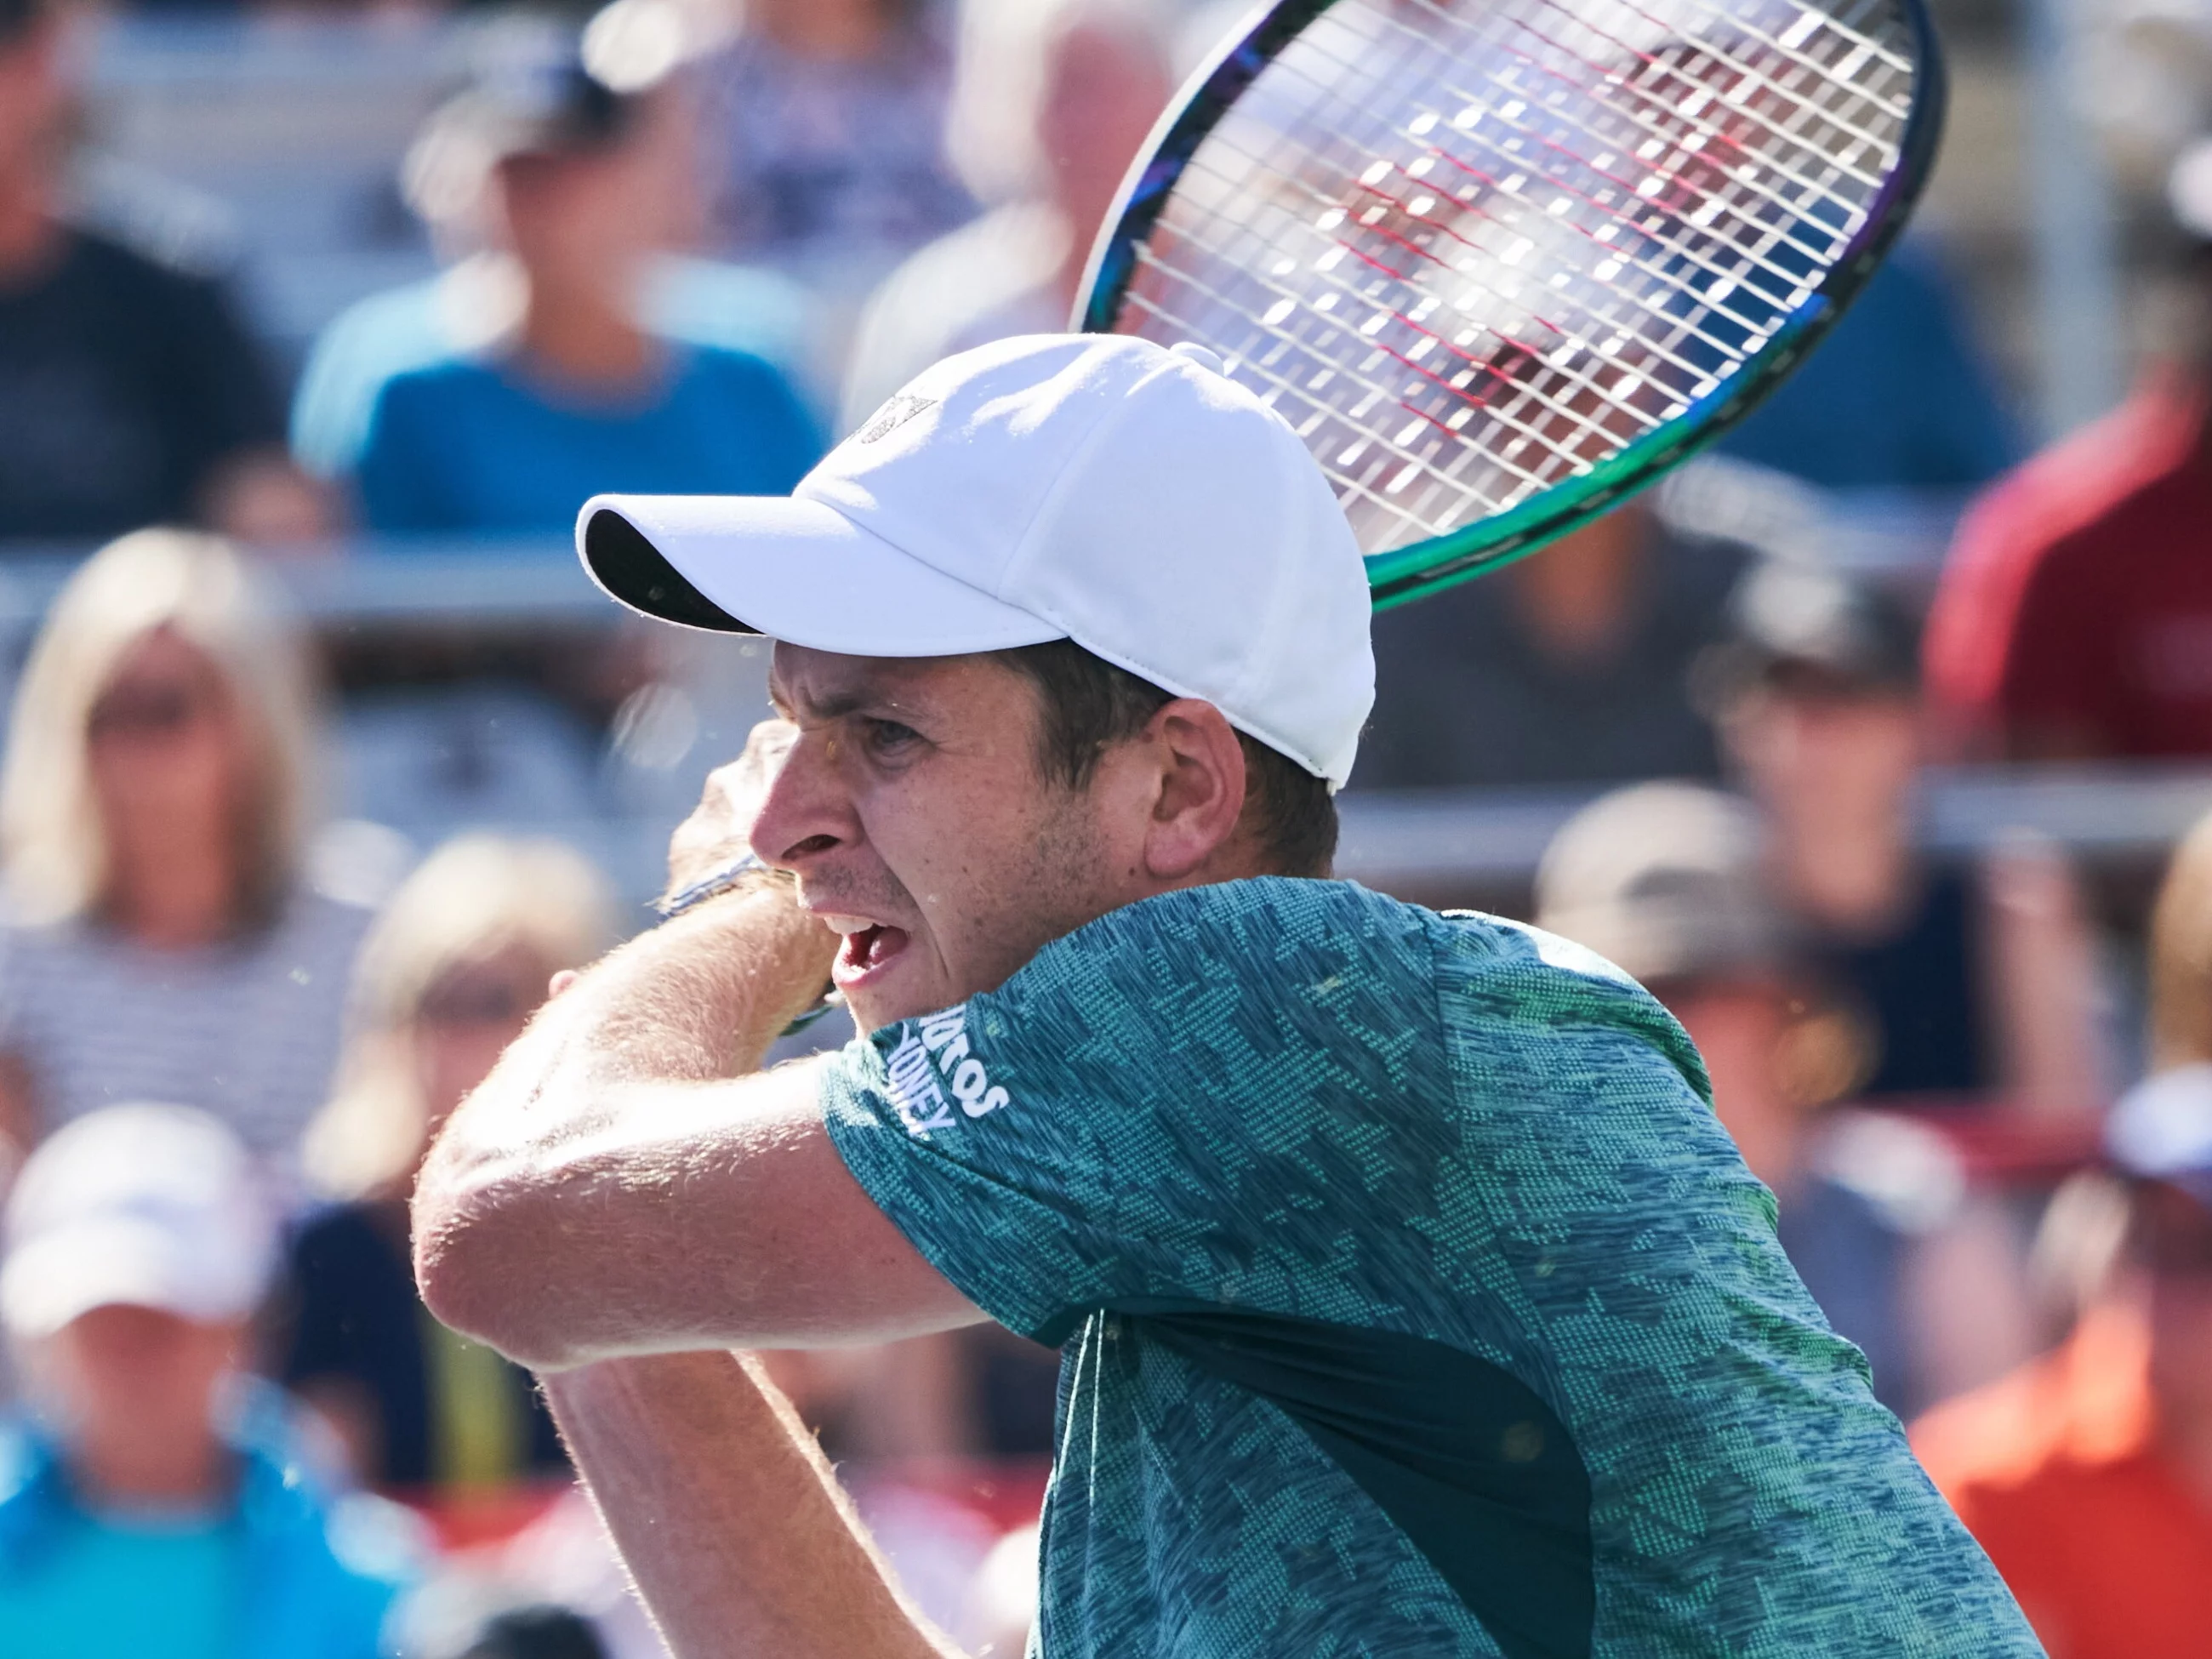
452, 971
160, 942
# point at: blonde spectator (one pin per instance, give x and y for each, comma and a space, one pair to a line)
153, 812
450, 973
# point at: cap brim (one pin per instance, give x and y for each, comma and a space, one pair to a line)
52, 1281
792, 569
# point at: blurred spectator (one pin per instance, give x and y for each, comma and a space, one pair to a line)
691, 303
129, 393
1959, 983
2087, 1474
1897, 398
454, 968
153, 1512
2074, 617
1665, 881
1054, 99
153, 812
587, 188
1571, 666
825, 125
479, 301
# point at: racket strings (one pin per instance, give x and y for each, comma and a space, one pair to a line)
1256, 365
1677, 141
1471, 250
1495, 182
1660, 66
1347, 291
1686, 325
1515, 415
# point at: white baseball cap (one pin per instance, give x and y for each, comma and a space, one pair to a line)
146, 1206
1094, 488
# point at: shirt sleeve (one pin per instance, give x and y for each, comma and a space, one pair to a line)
1197, 1099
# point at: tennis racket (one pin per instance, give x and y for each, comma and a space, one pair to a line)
1501, 262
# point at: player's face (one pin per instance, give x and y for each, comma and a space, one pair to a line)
912, 810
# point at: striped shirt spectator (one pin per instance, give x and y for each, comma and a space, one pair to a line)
161, 944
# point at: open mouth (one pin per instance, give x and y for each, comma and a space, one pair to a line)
867, 951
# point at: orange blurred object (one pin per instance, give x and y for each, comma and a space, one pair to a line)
2056, 1471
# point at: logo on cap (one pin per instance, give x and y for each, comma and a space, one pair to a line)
892, 416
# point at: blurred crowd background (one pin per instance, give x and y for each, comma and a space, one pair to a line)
1876, 743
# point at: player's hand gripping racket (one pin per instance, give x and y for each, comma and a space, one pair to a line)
1502, 262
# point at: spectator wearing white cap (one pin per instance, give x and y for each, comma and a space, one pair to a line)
150, 1511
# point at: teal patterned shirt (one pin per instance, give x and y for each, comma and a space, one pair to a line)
1413, 1302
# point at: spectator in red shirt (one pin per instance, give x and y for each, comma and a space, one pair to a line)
2087, 1474
2074, 618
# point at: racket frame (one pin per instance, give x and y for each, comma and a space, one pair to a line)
1410, 573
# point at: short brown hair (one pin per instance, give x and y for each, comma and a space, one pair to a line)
1088, 705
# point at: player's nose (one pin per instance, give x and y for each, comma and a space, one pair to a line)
807, 812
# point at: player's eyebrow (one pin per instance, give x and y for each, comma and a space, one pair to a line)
868, 695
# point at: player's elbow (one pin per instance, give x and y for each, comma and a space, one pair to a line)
482, 1263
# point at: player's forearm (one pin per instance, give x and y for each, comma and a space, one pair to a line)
566, 1153
728, 1516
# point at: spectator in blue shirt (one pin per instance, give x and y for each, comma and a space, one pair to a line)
587, 188
149, 1516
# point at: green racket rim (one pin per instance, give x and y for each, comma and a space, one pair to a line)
1413, 572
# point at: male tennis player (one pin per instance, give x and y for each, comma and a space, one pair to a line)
1413, 1300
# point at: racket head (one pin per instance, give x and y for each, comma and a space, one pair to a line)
1442, 236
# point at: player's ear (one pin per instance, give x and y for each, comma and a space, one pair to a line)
1200, 787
